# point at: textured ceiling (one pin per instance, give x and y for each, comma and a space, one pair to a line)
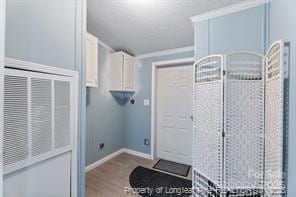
144, 26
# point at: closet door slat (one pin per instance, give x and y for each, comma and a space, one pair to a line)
15, 119
41, 116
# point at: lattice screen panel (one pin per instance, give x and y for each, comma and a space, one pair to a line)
274, 121
208, 130
244, 121
37, 117
244, 66
244, 134
209, 69
208, 124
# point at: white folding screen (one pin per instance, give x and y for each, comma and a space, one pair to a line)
38, 123
238, 124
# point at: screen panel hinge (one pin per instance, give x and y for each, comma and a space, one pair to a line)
286, 59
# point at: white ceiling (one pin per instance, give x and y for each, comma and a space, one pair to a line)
145, 26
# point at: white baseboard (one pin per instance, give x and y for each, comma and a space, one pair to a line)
136, 153
103, 160
116, 153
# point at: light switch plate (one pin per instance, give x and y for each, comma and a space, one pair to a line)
146, 102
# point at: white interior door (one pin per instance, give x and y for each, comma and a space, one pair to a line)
174, 111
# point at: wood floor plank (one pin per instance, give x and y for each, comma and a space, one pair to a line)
111, 178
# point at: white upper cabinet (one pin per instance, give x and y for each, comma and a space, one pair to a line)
91, 61
122, 72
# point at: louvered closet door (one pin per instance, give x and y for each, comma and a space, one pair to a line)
37, 132
37, 117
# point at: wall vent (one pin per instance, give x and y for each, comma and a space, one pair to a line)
37, 117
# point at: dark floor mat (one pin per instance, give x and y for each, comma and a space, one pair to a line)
172, 167
147, 182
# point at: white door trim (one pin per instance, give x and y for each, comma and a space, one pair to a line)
155, 65
2, 60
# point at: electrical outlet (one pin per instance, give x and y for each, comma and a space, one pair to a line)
146, 142
101, 146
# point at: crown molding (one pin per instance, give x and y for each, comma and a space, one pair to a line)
100, 42
166, 52
228, 10
103, 44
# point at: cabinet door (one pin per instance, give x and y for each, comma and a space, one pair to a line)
128, 73
91, 61
116, 71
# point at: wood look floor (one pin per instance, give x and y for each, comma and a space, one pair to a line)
111, 178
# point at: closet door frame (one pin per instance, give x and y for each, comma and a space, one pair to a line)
2, 60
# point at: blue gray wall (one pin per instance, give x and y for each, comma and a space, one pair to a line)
283, 26
51, 33
41, 32
113, 120
104, 116
240, 31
